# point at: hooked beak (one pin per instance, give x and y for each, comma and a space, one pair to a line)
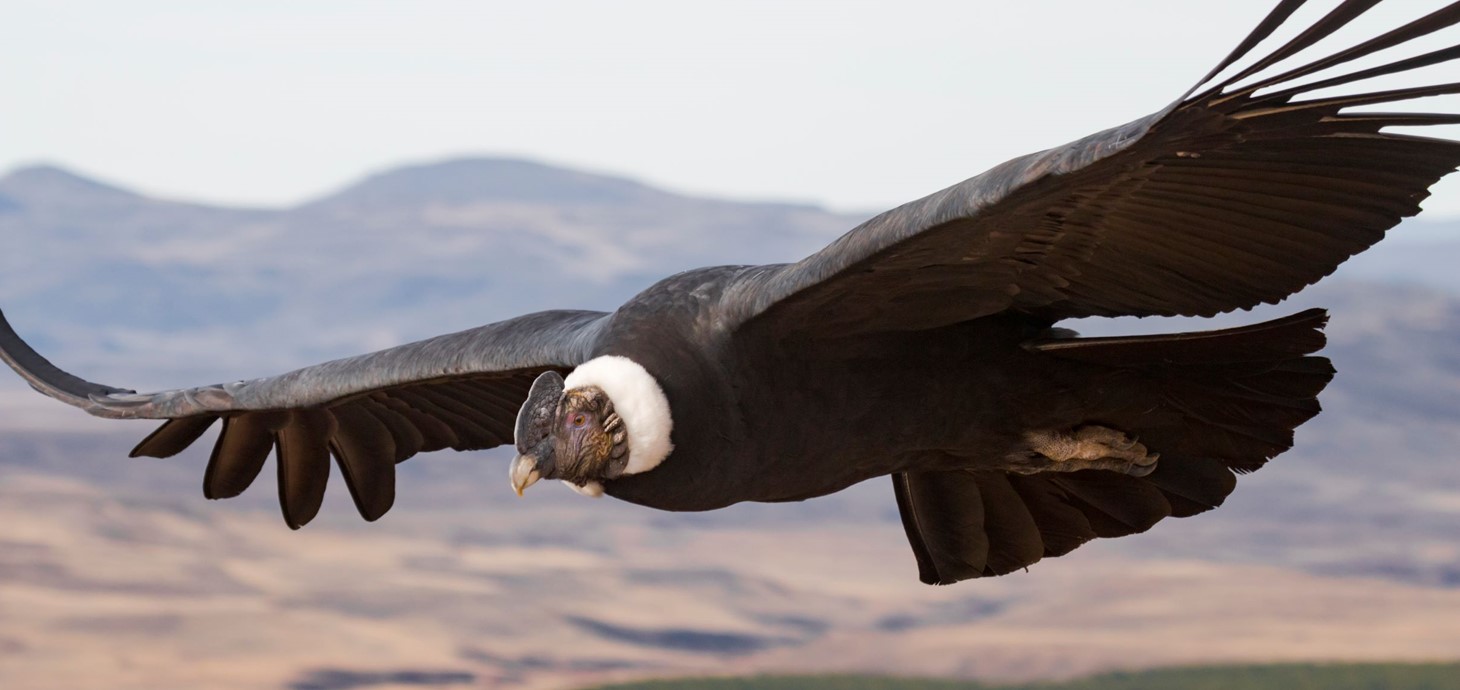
534, 462
524, 473
531, 466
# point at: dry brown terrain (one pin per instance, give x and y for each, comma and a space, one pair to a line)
99, 591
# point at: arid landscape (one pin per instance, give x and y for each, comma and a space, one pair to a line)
114, 587
116, 573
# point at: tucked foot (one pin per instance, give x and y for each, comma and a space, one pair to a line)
1089, 447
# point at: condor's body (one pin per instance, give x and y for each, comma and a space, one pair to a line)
821, 415
918, 344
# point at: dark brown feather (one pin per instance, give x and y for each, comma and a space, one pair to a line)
944, 515
1223, 201
1336, 19
173, 436
1115, 504
436, 434
1288, 337
460, 416
240, 452
365, 451
1439, 19
405, 437
304, 463
1269, 24
1062, 527
1014, 539
1192, 484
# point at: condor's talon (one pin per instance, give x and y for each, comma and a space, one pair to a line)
1090, 447
1143, 467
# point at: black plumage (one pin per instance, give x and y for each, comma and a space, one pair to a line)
919, 345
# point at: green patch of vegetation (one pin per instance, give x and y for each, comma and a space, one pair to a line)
1279, 677
1275, 677
799, 683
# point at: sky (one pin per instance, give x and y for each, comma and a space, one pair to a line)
851, 104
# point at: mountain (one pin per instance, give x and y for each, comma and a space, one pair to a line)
119, 567
170, 289
47, 186
483, 180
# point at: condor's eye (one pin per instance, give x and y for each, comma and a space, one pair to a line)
578, 420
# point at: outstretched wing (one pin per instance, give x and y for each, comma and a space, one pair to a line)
1238, 195
459, 391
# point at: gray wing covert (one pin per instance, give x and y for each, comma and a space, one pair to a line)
1240, 194
458, 391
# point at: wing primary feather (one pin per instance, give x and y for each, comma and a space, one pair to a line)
1216, 174
457, 414
1296, 197
365, 451
493, 407
1164, 231
1300, 170
1372, 98
507, 394
1298, 213
240, 452
436, 434
1269, 24
1416, 62
407, 439
47, 378
173, 436
304, 463
1338, 18
1380, 120
1442, 18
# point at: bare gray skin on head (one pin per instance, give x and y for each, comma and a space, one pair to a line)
580, 439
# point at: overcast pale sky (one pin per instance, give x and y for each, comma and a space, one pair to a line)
853, 104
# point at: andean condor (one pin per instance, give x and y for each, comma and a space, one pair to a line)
919, 345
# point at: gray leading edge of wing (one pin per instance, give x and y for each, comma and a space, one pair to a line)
550, 339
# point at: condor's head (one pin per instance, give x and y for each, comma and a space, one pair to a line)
609, 418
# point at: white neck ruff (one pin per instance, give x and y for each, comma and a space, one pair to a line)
638, 400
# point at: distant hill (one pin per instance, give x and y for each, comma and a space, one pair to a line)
107, 280
41, 187
484, 180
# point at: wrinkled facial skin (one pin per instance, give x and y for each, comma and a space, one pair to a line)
585, 441
590, 438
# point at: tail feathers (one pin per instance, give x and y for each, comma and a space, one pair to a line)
1198, 485
964, 524
1212, 404
1276, 340
1235, 394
